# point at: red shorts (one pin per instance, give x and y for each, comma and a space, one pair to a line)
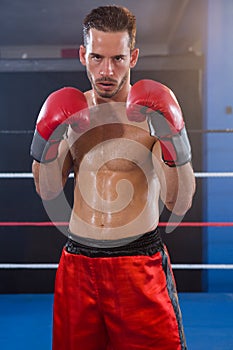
125, 302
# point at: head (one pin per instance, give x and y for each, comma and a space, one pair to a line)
108, 51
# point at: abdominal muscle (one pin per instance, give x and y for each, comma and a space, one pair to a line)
118, 200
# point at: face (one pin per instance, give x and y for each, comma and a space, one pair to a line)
108, 60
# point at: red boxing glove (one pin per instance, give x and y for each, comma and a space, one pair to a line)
156, 102
67, 106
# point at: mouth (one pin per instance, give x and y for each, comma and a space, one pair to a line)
105, 85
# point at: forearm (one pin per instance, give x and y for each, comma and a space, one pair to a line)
48, 179
178, 188
177, 183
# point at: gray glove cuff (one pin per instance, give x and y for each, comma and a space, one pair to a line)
182, 148
43, 151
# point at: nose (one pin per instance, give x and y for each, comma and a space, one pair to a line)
106, 68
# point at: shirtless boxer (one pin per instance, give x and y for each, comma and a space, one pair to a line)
127, 146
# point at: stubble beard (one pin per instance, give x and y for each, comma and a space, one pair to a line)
107, 94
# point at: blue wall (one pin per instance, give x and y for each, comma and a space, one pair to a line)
218, 150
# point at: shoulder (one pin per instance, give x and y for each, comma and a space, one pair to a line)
88, 94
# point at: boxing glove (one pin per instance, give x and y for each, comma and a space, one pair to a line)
67, 106
155, 102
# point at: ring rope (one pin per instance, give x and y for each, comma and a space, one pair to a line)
19, 175
33, 223
206, 131
174, 266
28, 266
203, 266
197, 174
161, 224
17, 132
198, 131
213, 174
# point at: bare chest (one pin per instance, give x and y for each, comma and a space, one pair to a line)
115, 147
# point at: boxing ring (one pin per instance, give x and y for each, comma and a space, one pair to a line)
26, 318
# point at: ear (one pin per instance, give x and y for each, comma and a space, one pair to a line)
82, 54
134, 58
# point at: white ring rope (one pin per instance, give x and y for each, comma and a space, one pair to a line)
174, 266
28, 266
19, 175
214, 174
197, 174
203, 266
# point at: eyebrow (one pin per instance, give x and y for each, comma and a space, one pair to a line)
97, 54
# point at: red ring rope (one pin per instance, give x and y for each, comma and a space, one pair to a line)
33, 223
64, 223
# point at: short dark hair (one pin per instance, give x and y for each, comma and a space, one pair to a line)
111, 19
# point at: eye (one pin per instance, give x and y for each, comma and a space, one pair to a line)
96, 57
119, 58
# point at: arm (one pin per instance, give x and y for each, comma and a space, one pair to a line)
155, 102
177, 183
52, 159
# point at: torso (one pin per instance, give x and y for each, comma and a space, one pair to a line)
116, 188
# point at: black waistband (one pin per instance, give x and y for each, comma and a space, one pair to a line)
147, 244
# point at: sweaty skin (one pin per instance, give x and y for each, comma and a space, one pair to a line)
118, 168
117, 189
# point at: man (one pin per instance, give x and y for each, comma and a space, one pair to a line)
127, 146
